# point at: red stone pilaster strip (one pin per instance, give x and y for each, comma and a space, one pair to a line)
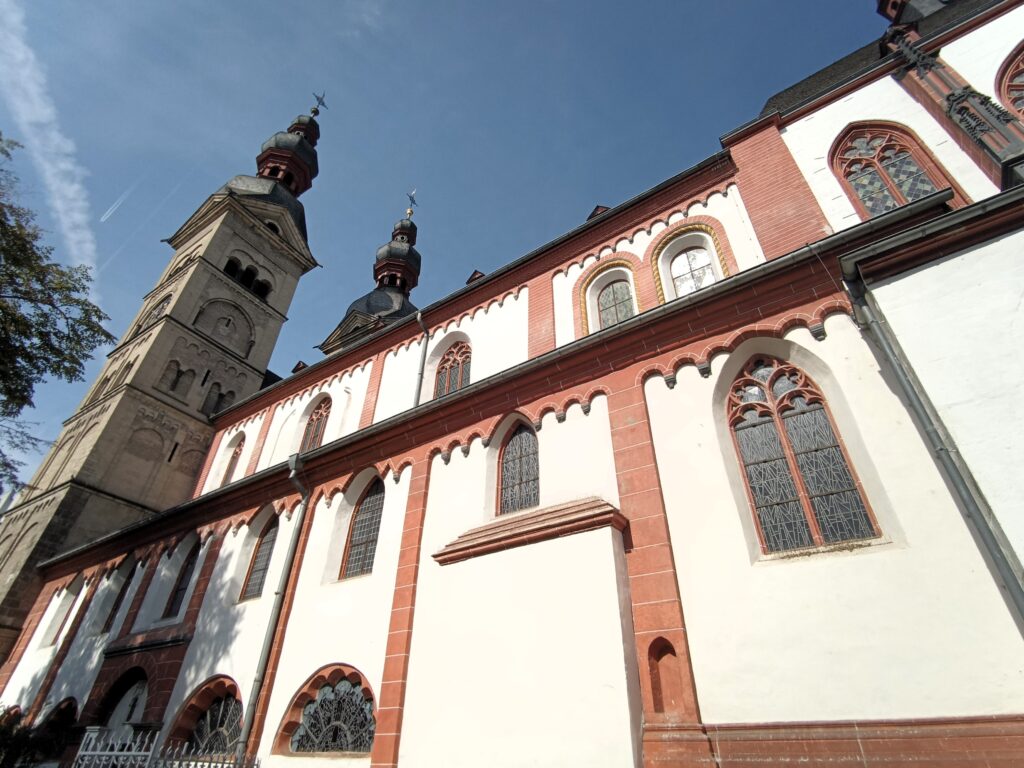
541, 315
65, 646
263, 705
391, 698
27, 630
199, 591
780, 204
372, 389
254, 457
654, 587
211, 454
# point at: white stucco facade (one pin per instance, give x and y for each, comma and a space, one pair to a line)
979, 54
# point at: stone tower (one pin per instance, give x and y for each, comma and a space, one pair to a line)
201, 340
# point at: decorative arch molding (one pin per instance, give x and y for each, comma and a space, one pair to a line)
622, 260
115, 680
895, 135
705, 225
216, 687
332, 674
1009, 85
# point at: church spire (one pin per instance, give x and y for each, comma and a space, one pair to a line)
289, 157
397, 265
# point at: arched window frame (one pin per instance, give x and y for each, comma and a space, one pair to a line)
1010, 82
368, 540
330, 675
891, 136
202, 700
695, 235
456, 363
176, 598
316, 424
612, 272
259, 563
233, 459
775, 406
122, 592
501, 507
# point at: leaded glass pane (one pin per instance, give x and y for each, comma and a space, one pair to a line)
871, 190
520, 471
615, 303
340, 719
315, 426
908, 176
838, 507
217, 730
362, 546
691, 270
260, 563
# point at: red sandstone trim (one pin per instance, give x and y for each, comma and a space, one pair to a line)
1012, 66
373, 389
195, 706
210, 456
28, 630
257, 449
517, 530
541, 315
332, 674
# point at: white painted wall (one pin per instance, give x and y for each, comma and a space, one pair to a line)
338, 621
727, 208
810, 139
151, 611
497, 333
518, 658
250, 429
978, 55
912, 626
953, 318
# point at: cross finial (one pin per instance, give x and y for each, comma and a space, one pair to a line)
412, 202
319, 103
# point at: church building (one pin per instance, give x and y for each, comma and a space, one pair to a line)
726, 475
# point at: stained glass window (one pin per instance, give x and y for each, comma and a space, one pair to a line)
315, 426
339, 719
236, 454
884, 170
453, 369
260, 561
217, 730
801, 486
615, 303
362, 540
692, 270
181, 585
520, 471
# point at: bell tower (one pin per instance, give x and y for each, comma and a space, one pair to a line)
200, 341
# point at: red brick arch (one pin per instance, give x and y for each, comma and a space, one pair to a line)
216, 687
332, 674
643, 285
707, 225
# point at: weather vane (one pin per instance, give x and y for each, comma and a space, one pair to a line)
319, 103
412, 202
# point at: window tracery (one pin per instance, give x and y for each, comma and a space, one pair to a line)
453, 369
520, 471
615, 303
217, 730
339, 719
313, 435
363, 532
236, 455
260, 563
1011, 82
799, 480
884, 168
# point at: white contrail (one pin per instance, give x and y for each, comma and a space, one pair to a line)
118, 202
23, 83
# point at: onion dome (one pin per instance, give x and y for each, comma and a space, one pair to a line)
289, 157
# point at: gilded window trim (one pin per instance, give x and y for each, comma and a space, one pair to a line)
673, 235
585, 289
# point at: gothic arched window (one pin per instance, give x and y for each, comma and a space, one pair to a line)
315, 425
339, 719
362, 537
1010, 82
177, 597
799, 480
520, 471
108, 623
453, 369
260, 561
615, 303
884, 167
217, 730
236, 454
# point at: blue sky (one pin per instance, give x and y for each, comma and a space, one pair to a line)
513, 120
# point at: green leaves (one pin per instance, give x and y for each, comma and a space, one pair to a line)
48, 326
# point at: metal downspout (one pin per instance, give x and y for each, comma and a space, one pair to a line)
423, 360
295, 465
887, 345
